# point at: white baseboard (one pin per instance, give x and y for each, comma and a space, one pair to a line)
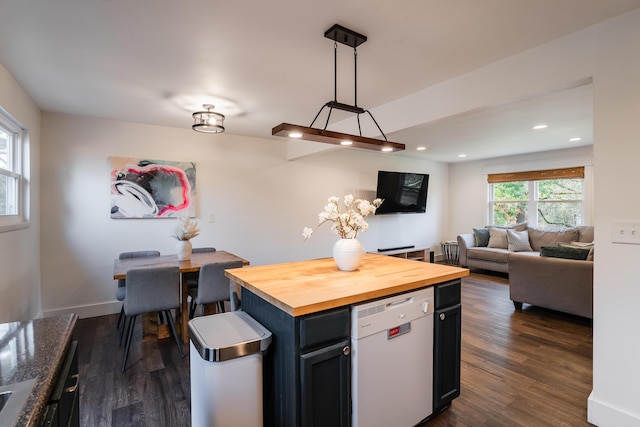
84, 311
603, 415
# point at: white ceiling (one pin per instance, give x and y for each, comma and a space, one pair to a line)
266, 62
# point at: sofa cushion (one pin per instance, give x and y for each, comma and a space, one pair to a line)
540, 237
566, 252
585, 233
498, 238
482, 236
518, 241
488, 254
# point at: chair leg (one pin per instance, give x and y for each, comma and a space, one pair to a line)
173, 330
220, 306
192, 309
121, 317
124, 327
132, 321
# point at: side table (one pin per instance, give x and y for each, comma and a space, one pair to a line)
450, 252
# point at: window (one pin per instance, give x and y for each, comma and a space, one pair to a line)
12, 136
551, 198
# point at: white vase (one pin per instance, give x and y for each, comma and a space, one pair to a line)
348, 253
183, 249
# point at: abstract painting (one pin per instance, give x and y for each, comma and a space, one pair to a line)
144, 188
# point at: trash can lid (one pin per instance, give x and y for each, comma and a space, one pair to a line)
225, 336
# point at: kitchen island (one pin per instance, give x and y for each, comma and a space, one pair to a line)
307, 307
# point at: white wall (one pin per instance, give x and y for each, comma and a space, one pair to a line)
468, 186
615, 400
261, 202
19, 249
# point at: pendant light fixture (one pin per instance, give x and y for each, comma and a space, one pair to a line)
340, 34
208, 121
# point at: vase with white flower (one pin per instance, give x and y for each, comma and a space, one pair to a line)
347, 221
184, 231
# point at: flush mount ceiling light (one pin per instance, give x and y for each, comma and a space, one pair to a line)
352, 39
208, 121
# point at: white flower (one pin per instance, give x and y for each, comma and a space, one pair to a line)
348, 200
307, 232
349, 223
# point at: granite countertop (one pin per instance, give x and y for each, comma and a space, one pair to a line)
305, 287
34, 349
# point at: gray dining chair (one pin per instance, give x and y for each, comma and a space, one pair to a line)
213, 286
120, 292
151, 290
191, 278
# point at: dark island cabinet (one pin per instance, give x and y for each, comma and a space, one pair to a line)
307, 368
446, 344
326, 386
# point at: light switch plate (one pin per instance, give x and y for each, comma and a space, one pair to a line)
626, 233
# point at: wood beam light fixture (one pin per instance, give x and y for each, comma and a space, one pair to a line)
352, 39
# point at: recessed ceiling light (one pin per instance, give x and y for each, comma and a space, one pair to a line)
540, 126
576, 139
421, 148
462, 155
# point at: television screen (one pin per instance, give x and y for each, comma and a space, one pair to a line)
402, 192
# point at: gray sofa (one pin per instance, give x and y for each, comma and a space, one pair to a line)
556, 283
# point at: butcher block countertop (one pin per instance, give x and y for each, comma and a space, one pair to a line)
305, 287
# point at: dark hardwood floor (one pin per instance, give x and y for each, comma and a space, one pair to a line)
519, 368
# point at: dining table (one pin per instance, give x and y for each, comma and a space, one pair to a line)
151, 328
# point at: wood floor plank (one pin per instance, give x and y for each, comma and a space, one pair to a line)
526, 368
131, 416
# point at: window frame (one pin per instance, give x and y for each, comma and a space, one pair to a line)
16, 154
532, 178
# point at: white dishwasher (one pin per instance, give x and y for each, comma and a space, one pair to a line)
392, 360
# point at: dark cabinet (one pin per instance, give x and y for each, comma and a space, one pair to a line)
446, 344
64, 404
307, 369
326, 386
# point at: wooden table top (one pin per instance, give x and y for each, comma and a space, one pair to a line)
194, 264
305, 287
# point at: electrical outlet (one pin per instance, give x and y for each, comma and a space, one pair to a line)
212, 218
626, 233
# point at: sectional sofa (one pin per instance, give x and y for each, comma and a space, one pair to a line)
547, 268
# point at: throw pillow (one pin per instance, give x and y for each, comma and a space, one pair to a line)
590, 255
482, 236
498, 238
577, 244
564, 252
518, 241
518, 227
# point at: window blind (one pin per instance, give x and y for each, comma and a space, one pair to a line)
565, 173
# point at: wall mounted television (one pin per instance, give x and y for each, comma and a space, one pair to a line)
402, 192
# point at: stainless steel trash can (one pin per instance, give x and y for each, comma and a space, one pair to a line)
226, 370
